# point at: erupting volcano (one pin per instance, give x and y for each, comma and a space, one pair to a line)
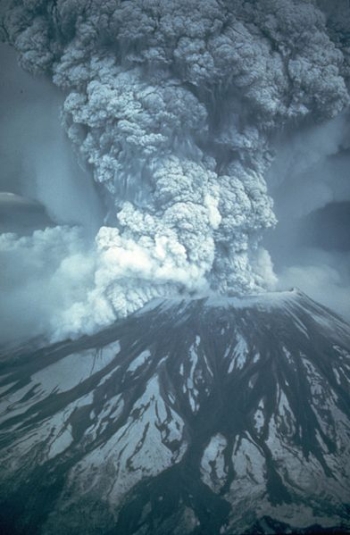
155, 376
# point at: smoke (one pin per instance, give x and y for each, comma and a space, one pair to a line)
175, 108
40, 276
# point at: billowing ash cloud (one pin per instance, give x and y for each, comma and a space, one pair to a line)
175, 106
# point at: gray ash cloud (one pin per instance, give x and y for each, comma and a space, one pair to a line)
175, 107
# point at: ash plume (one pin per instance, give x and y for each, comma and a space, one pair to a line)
175, 108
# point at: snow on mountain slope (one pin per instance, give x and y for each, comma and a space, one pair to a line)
207, 416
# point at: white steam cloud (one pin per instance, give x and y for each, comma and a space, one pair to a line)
175, 108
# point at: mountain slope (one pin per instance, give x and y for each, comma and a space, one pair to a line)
190, 417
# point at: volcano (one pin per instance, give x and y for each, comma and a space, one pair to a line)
195, 416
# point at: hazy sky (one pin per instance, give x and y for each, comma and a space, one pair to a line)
310, 184
36, 158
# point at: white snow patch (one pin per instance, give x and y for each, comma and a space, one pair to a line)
259, 417
139, 361
137, 450
240, 353
213, 467
74, 369
249, 466
62, 441
337, 376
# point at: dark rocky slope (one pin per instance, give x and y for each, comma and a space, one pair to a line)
199, 417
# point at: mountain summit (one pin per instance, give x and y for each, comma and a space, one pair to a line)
203, 417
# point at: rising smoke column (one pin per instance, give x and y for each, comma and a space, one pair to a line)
174, 105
